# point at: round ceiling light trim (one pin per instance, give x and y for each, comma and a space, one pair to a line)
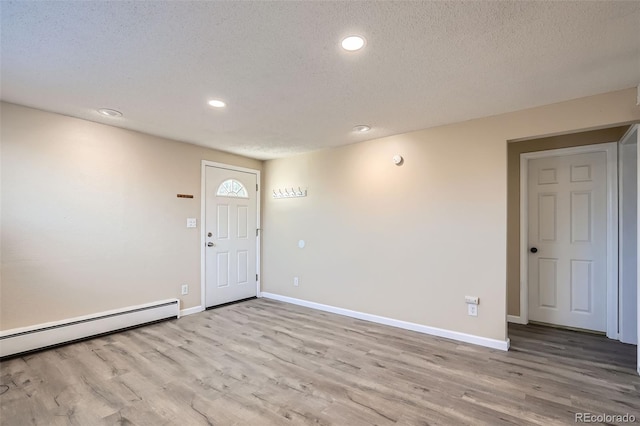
217, 103
361, 128
353, 43
108, 112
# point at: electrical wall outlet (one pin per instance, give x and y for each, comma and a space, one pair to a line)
185, 289
472, 310
296, 282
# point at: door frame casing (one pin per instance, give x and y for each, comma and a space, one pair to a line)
625, 141
203, 210
611, 150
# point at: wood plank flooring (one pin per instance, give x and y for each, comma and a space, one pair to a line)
263, 362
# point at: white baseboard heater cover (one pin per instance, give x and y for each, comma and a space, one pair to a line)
41, 336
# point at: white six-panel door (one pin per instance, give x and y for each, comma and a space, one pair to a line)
568, 240
230, 235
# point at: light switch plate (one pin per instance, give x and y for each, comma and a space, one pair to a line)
192, 222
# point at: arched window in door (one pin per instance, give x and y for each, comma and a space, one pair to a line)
232, 188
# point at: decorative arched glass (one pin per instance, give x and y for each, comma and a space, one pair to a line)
232, 188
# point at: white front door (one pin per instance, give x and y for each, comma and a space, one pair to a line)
568, 240
230, 235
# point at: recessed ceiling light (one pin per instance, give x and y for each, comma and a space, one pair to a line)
216, 103
361, 128
110, 112
353, 43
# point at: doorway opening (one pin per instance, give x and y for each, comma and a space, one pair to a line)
569, 237
621, 216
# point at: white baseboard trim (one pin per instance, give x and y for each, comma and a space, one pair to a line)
189, 311
433, 331
516, 320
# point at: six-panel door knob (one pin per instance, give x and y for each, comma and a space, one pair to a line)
534, 250
210, 244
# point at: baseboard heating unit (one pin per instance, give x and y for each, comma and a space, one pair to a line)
27, 339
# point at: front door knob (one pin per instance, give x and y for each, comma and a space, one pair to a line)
534, 250
210, 244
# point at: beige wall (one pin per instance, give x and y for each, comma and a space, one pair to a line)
612, 134
90, 217
410, 242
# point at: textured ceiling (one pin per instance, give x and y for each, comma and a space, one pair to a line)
290, 88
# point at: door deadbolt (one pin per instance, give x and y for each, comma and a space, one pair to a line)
209, 234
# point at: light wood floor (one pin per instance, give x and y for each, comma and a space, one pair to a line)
263, 362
